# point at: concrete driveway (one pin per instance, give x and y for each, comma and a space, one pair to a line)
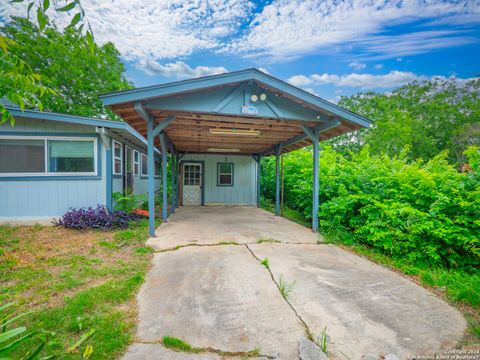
207, 286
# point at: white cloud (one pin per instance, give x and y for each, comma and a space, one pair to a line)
354, 80
311, 91
292, 28
178, 69
167, 30
390, 80
399, 46
262, 69
300, 80
155, 29
356, 65
378, 66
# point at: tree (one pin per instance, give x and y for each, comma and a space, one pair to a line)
20, 84
427, 117
76, 74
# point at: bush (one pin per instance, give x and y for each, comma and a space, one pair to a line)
426, 213
96, 218
128, 202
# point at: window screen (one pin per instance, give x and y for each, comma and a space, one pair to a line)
22, 156
225, 174
136, 162
117, 158
144, 165
65, 156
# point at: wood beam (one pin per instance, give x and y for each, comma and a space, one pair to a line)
160, 127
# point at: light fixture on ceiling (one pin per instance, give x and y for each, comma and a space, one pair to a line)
254, 98
263, 96
234, 132
221, 150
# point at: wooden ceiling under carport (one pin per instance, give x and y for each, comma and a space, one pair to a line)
190, 131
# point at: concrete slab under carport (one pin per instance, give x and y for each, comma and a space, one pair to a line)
202, 225
365, 307
216, 297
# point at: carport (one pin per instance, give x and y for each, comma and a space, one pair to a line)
245, 112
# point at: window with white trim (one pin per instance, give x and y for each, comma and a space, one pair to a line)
47, 155
136, 162
117, 158
67, 156
144, 165
224, 174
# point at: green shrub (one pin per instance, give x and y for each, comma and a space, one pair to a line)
427, 213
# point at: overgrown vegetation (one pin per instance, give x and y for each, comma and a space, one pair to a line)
425, 213
75, 282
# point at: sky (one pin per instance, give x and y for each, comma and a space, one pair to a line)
331, 48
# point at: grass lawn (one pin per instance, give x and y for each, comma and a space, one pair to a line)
75, 281
461, 289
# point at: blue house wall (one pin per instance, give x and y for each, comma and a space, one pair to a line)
243, 191
40, 198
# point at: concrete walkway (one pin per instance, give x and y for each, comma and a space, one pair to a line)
215, 224
221, 299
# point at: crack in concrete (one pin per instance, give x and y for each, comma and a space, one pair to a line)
224, 353
300, 319
233, 243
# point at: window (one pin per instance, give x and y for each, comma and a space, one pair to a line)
224, 174
136, 162
192, 174
117, 158
48, 156
22, 156
144, 165
71, 156
128, 159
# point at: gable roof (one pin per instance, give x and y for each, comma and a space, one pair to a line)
208, 82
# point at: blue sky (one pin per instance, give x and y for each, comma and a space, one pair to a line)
330, 47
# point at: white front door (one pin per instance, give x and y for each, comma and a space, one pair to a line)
192, 184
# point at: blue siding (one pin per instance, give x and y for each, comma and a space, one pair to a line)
140, 184
243, 191
49, 198
208, 100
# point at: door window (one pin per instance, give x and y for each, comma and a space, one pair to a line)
192, 175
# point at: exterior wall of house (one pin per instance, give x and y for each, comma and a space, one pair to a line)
41, 198
243, 191
44, 197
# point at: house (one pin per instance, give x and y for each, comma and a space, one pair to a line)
50, 162
217, 128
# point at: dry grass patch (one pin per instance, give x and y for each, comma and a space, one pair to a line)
75, 281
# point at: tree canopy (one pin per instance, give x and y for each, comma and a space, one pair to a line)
75, 73
426, 117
